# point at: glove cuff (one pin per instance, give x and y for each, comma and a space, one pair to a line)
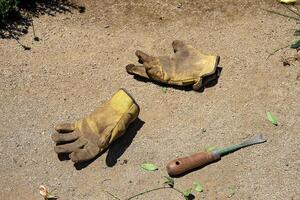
122, 101
212, 62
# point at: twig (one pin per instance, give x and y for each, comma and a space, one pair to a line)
271, 54
112, 195
17, 40
147, 191
284, 15
177, 190
297, 9
35, 38
293, 11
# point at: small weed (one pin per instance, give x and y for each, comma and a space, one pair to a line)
168, 184
231, 192
294, 15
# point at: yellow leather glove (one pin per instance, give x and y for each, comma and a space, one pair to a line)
187, 66
89, 136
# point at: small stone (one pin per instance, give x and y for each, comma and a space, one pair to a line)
298, 76
286, 63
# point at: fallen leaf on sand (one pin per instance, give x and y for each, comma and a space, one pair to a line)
272, 118
296, 45
45, 193
231, 191
149, 167
187, 193
198, 187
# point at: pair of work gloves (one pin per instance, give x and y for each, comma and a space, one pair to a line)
86, 138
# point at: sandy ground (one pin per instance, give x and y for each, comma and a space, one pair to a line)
80, 62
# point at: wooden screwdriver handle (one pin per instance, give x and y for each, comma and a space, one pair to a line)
184, 164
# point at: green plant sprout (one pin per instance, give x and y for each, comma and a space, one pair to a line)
168, 184
295, 15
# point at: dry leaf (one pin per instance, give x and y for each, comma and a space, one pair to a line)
43, 191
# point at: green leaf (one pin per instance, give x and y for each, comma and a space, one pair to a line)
296, 45
149, 167
169, 181
210, 149
231, 191
297, 33
198, 187
272, 118
164, 89
187, 192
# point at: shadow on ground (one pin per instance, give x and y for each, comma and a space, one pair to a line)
207, 82
116, 149
18, 23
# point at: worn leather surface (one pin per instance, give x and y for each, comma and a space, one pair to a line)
87, 137
187, 66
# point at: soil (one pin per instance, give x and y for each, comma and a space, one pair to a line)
79, 62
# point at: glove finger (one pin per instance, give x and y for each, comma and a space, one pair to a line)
143, 57
197, 86
65, 137
89, 151
65, 127
70, 147
136, 70
178, 45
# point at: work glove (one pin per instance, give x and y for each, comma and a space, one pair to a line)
188, 66
87, 137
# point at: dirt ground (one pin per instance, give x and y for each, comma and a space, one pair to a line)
80, 62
